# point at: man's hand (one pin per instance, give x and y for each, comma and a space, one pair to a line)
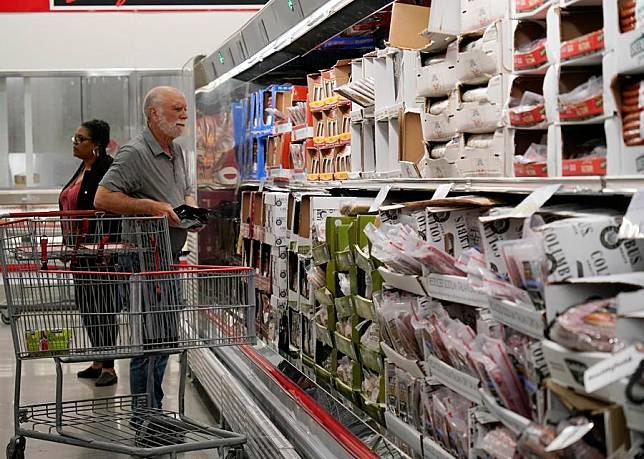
163, 208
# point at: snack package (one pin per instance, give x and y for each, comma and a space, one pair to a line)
527, 266
587, 327
499, 443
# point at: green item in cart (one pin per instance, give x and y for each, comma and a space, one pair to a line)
32, 337
59, 339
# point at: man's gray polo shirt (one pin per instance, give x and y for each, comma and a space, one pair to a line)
142, 169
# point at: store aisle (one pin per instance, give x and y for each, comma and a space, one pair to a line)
38, 385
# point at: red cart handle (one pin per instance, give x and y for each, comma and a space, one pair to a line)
54, 213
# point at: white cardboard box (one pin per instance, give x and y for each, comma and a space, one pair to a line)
627, 47
475, 117
484, 162
478, 14
385, 80
556, 83
492, 233
561, 30
560, 145
589, 246
440, 128
559, 297
368, 147
407, 92
490, 58
276, 217
438, 79
567, 368
449, 228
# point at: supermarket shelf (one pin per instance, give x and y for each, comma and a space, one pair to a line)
570, 185
295, 42
29, 196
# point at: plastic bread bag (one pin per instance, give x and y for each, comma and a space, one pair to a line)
508, 385
371, 385
439, 417
591, 88
371, 338
322, 316
391, 387
533, 441
527, 266
316, 276
396, 317
499, 443
587, 327
435, 345
344, 327
456, 338
458, 426
528, 101
479, 95
438, 107
480, 141
344, 280
385, 249
345, 370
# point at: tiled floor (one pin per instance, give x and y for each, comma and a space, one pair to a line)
38, 383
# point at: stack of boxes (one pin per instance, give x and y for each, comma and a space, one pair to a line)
328, 158
464, 88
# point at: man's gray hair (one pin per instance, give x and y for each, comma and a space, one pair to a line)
153, 98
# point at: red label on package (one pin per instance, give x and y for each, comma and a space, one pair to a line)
532, 59
524, 6
530, 117
586, 44
588, 108
584, 166
531, 170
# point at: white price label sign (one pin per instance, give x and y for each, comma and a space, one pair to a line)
521, 319
618, 366
633, 222
442, 191
534, 202
460, 382
569, 436
382, 195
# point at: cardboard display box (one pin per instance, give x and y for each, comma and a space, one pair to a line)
575, 37
442, 127
478, 117
407, 22
563, 144
449, 228
463, 16
438, 79
589, 246
488, 58
535, 60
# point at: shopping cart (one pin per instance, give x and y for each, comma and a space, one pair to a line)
87, 287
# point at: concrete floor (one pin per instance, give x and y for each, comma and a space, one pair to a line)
38, 384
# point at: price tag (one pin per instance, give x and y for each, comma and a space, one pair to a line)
633, 222
262, 182
618, 366
569, 436
442, 191
382, 195
464, 384
532, 203
521, 319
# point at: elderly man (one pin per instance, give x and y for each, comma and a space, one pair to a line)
149, 177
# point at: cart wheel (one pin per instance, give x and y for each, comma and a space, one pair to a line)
5, 318
16, 448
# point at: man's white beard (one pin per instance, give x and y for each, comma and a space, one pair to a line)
171, 130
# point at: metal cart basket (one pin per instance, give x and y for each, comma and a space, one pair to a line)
85, 287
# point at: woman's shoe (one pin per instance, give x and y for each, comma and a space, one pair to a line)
107, 378
90, 373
